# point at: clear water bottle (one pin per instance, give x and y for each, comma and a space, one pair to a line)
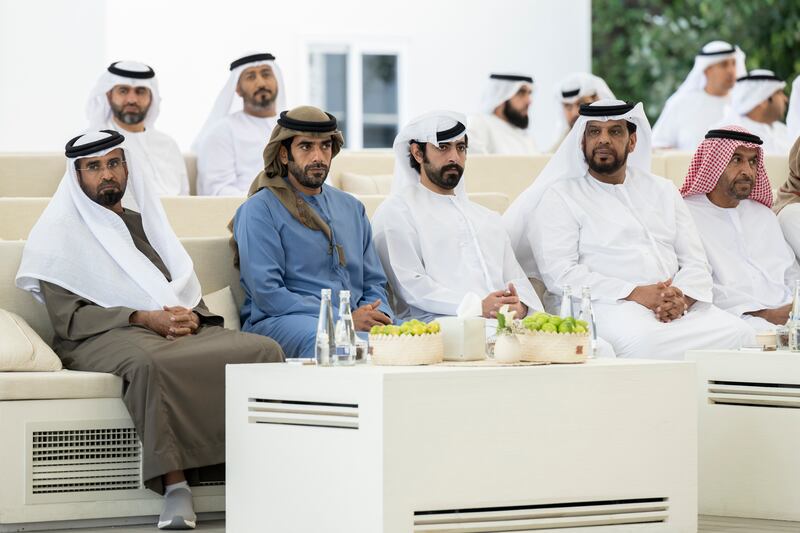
325, 346
566, 302
587, 315
345, 332
794, 320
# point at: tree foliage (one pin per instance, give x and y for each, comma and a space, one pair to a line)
645, 48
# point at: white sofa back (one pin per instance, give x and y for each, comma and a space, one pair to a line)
189, 216
213, 263
38, 174
677, 164
33, 174
492, 200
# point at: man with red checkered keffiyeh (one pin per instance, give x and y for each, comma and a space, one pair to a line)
729, 195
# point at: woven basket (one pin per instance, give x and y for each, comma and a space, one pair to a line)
406, 350
554, 347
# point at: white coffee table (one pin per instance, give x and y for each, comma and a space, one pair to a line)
608, 445
749, 433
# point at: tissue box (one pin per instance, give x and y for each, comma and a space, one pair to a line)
464, 338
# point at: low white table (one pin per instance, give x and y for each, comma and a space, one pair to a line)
749, 433
605, 446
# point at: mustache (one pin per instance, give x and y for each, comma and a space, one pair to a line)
604, 148
108, 184
452, 166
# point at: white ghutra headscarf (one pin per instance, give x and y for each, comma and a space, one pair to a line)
754, 88
87, 249
711, 54
502, 87
434, 127
576, 86
228, 101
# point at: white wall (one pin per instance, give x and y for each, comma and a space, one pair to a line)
450, 47
50, 52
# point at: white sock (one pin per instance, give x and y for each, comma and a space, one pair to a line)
180, 484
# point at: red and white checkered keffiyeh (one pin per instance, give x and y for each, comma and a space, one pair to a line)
710, 160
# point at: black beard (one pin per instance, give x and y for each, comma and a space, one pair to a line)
126, 117
515, 117
109, 197
606, 168
438, 177
107, 194
303, 176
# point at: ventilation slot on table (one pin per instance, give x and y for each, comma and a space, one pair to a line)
544, 516
83, 460
775, 395
302, 413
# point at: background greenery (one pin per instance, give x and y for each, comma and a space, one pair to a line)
645, 48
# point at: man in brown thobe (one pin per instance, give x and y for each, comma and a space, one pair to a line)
123, 298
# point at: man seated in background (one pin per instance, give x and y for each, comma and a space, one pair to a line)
702, 99
231, 143
758, 104
502, 125
126, 98
576, 90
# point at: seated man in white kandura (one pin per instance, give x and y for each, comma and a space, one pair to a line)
593, 219
702, 99
729, 195
437, 247
577, 89
123, 298
126, 98
758, 104
230, 145
502, 125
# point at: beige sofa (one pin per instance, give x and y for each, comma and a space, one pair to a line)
189, 216
492, 200
68, 451
38, 173
32, 175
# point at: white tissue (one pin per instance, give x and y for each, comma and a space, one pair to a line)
471, 305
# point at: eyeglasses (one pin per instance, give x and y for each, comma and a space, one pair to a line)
96, 168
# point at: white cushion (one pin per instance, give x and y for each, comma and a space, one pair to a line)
21, 349
364, 184
371, 202
222, 303
65, 384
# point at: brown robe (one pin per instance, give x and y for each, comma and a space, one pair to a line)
174, 390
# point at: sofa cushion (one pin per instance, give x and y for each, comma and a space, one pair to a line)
221, 303
497, 202
21, 349
64, 384
363, 184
